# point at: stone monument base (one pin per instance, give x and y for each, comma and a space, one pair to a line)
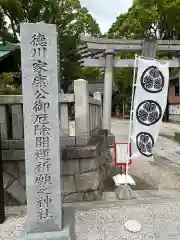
67, 233
61, 235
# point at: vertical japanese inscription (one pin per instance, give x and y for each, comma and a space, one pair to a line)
41, 125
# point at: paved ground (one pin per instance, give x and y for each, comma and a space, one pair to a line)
163, 171
159, 219
164, 146
157, 211
168, 129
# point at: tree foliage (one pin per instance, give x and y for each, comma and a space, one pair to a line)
159, 19
8, 84
147, 19
91, 74
71, 19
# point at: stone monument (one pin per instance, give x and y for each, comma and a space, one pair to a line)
41, 132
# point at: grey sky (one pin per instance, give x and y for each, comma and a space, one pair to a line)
106, 11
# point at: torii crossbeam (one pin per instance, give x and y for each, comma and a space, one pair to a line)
100, 52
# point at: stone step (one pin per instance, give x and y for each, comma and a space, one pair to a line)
109, 200
141, 197
145, 194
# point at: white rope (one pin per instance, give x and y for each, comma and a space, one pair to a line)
131, 114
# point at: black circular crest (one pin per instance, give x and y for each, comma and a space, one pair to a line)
152, 80
145, 143
148, 112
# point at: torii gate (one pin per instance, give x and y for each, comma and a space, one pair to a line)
106, 48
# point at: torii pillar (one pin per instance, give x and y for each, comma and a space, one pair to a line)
108, 84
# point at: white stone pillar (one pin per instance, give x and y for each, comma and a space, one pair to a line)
81, 96
41, 130
108, 80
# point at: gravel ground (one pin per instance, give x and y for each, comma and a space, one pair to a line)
158, 220
11, 228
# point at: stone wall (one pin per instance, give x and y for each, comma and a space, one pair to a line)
84, 170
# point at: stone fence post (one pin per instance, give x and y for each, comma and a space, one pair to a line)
98, 96
81, 96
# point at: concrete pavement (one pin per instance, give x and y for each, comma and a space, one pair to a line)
164, 147
168, 129
161, 173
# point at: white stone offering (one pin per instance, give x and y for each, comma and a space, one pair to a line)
132, 226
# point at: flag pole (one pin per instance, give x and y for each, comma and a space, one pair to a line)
131, 115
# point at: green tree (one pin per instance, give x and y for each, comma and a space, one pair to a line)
150, 18
91, 74
71, 19
8, 84
145, 19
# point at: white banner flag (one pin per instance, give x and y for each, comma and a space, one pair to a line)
150, 101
